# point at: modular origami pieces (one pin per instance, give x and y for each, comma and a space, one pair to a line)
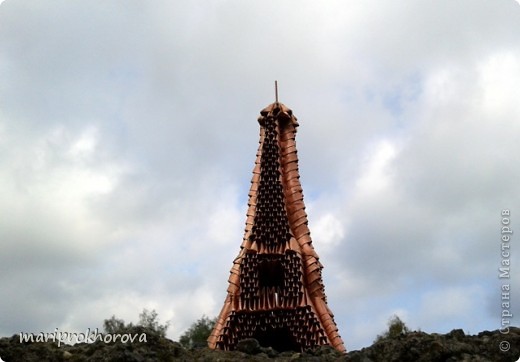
276, 293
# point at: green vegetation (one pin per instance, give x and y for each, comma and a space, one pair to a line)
196, 336
198, 333
147, 319
396, 327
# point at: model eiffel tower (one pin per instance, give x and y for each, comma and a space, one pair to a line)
275, 292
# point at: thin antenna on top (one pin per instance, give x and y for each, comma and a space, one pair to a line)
276, 90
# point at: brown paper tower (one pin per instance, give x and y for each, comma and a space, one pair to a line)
275, 292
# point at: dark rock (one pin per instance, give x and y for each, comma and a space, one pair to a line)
269, 351
286, 354
249, 346
357, 356
485, 333
327, 350
457, 334
454, 346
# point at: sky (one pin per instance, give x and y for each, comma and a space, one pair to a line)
128, 135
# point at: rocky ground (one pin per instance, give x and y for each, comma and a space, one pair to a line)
412, 346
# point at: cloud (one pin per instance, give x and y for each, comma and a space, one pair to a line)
128, 136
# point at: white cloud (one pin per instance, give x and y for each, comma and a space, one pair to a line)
375, 175
128, 135
328, 230
498, 73
445, 304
